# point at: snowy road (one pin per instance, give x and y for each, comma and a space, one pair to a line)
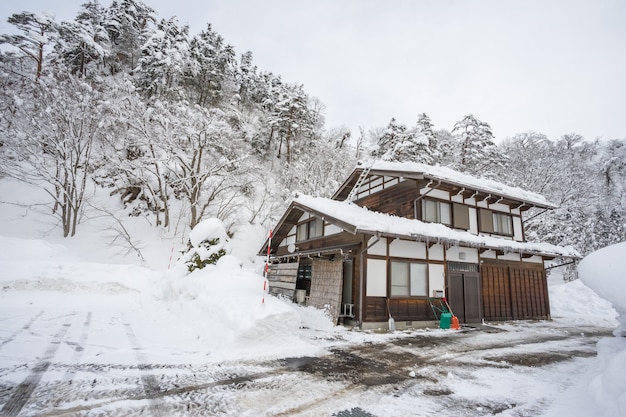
81, 363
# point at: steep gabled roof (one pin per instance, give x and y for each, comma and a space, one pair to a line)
359, 220
471, 184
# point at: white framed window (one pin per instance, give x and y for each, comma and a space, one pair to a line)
310, 229
502, 224
436, 212
409, 279
494, 222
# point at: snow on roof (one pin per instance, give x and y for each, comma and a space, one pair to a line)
455, 177
371, 222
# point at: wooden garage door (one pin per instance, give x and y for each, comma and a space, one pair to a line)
514, 290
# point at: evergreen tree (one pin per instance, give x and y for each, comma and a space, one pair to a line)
425, 127
400, 144
292, 119
165, 56
392, 137
210, 69
128, 23
478, 152
36, 31
84, 44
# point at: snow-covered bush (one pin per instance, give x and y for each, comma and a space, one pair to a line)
208, 242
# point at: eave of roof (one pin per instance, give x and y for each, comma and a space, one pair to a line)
359, 220
438, 173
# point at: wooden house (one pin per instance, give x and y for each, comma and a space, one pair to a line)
396, 234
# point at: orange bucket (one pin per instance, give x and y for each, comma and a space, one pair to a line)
455, 323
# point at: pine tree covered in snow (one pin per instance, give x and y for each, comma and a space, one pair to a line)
37, 29
84, 45
478, 153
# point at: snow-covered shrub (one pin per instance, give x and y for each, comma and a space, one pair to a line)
208, 242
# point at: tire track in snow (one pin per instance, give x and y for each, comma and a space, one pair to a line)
149, 381
25, 327
24, 390
79, 348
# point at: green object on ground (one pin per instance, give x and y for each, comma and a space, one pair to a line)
444, 320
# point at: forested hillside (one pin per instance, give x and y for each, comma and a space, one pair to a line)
179, 127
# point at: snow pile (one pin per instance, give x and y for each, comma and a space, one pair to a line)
605, 272
224, 308
578, 304
208, 229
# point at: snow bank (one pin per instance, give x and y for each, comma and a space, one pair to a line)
580, 305
208, 229
605, 272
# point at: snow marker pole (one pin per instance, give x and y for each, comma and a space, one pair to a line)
267, 265
171, 254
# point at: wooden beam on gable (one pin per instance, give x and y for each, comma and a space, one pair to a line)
328, 217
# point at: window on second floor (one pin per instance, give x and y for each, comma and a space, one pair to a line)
436, 212
494, 222
310, 229
450, 214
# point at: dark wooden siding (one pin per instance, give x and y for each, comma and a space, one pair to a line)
402, 309
496, 292
336, 240
397, 200
514, 290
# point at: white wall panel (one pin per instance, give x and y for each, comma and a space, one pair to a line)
376, 278
407, 249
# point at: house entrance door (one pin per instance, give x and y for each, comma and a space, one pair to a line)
464, 296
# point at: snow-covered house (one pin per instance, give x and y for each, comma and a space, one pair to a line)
396, 234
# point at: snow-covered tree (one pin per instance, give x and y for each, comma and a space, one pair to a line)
84, 44
49, 143
210, 69
137, 160
36, 31
424, 127
292, 119
164, 57
322, 169
129, 24
478, 153
397, 143
209, 160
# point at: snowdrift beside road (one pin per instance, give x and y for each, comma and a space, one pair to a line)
604, 271
223, 307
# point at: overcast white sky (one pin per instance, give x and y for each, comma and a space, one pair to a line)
553, 66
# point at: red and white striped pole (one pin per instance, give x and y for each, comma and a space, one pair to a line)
267, 265
171, 254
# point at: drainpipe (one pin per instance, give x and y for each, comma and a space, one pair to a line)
424, 195
361, 283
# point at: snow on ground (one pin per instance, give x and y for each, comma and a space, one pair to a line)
114, 311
